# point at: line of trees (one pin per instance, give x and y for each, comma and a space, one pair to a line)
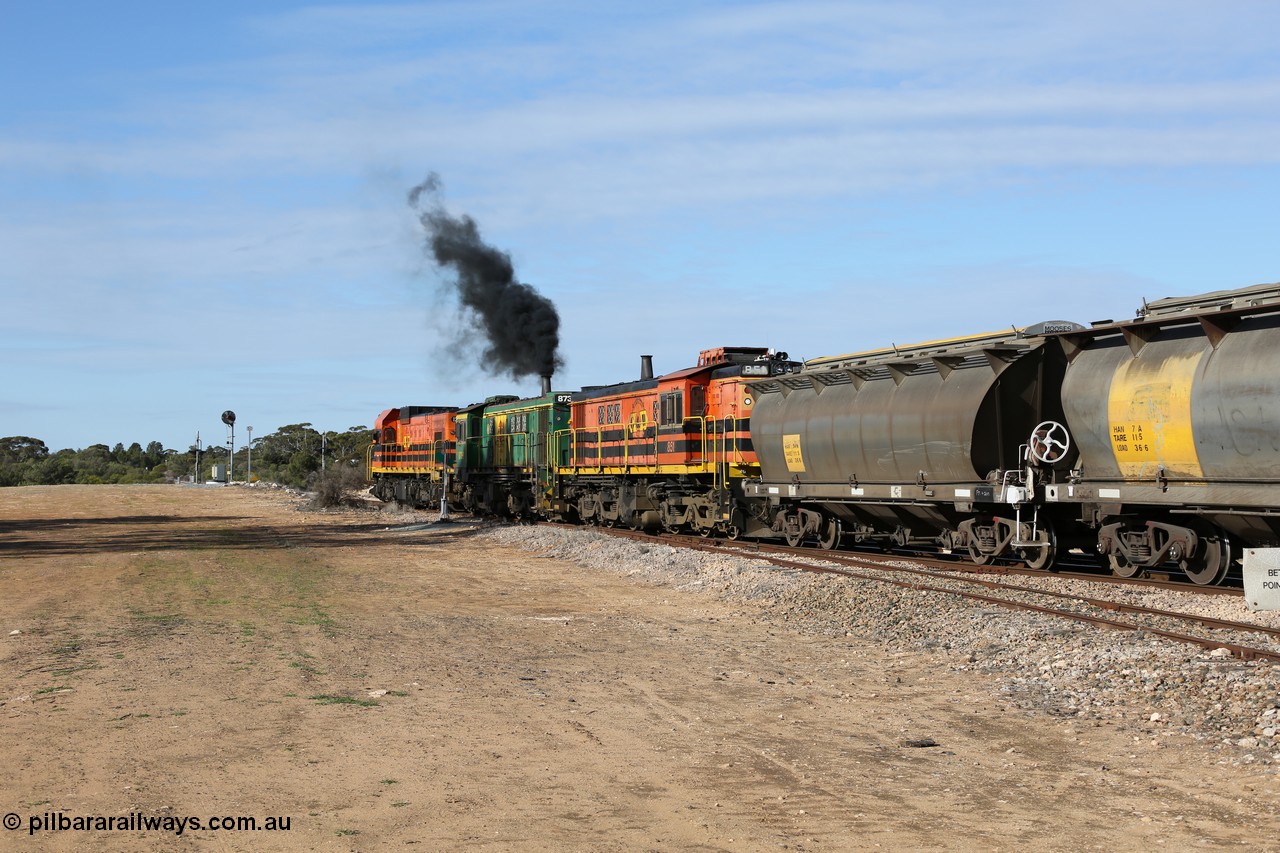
290, 455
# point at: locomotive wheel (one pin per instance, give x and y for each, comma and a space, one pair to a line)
1210, 563
1121, 567
831, 534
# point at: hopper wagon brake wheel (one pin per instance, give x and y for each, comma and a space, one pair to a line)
1049, 442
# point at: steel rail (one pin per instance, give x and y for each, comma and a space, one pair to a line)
1237, 650
836, 555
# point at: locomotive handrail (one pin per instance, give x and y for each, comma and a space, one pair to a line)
654, 441
718, 474
702, 432
503, 447
561, 461
576, 459
439, 448
730, 424
429, 457
581, 436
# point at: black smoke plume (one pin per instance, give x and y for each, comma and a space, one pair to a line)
521, 326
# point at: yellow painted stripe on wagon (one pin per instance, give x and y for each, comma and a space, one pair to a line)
1149, 414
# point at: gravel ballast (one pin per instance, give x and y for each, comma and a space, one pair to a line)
1154, 687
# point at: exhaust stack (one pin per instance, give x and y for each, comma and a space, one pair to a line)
546, 384
646, 367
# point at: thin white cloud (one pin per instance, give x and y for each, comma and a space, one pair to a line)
1047, 127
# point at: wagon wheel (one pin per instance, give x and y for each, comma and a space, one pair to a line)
732, 531
974, 544
976, 555
1040, 557
831, 534
794, 539
1208, 566
1121, 567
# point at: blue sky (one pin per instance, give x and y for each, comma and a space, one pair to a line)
202, 206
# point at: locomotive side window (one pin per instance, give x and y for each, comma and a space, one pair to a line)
697, 401
672, 408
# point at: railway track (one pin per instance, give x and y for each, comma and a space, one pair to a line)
936, 576
1155, 580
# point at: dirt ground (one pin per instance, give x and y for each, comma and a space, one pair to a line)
207, 652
